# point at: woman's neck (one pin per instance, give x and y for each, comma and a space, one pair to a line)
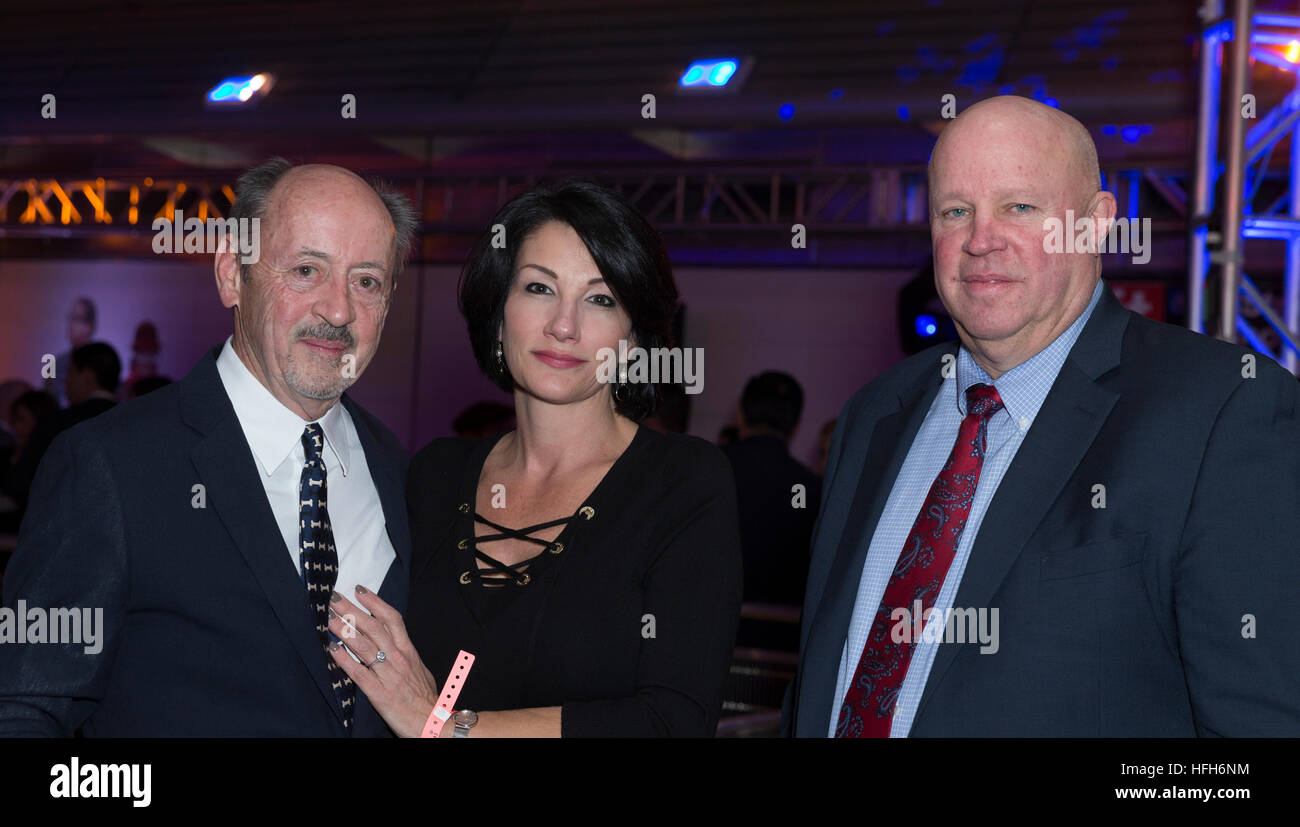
551, 439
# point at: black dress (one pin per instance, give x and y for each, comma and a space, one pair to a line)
628, 625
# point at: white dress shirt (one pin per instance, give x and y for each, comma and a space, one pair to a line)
275, 434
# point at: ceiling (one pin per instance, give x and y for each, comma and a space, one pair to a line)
555, 83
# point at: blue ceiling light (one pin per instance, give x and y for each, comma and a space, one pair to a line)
926, 325
239, 90
786, 111
713, 73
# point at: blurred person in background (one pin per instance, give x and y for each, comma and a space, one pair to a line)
81, 331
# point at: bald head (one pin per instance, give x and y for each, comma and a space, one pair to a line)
1004, 177
1051, 132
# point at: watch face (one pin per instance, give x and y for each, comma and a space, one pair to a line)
465, 718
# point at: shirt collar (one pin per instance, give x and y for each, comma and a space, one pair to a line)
1023, 389
272, 430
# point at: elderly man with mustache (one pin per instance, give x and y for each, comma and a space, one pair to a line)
211, 520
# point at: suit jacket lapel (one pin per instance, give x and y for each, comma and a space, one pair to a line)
1072, 414
386, 471
890, 441
228, 472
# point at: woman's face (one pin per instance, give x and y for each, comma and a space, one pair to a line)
559, 314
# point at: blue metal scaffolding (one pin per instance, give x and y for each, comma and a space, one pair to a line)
1239, 219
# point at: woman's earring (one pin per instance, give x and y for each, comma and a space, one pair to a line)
620, 390
501, 363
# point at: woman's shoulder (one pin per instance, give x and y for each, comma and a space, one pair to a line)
687, 459
443, 461
443, 451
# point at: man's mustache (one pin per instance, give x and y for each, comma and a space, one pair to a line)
328, 333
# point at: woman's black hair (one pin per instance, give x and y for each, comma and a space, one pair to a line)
626, 249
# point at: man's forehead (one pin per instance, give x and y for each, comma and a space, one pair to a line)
323, 215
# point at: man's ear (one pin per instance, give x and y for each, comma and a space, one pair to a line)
1102, 210
229, 282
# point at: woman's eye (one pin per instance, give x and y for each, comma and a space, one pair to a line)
603, 300
537, 287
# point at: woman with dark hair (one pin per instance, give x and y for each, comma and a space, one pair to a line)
592, 565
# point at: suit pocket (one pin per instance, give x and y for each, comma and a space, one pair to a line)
1093, 558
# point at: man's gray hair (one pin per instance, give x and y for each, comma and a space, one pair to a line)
253, 191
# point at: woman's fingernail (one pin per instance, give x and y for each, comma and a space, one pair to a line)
361, 589
334, 646
335, 597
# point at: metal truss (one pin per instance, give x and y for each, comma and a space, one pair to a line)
751, 212
1277, 216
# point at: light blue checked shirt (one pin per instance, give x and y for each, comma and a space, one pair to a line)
1022, 389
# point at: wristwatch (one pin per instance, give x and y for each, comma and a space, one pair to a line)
464, 720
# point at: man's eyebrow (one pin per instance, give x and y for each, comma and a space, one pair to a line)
551, 273
360, 265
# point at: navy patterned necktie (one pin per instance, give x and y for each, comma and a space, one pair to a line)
320, 560
869, 704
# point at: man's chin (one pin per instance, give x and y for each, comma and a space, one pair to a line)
989, 329
319, 386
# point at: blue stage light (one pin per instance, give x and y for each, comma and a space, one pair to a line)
709, 73
239, 90
926, 325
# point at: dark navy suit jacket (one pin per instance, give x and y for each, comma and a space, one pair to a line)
1128, 620
206, 625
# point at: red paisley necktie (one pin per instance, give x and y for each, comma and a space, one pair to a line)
868, 706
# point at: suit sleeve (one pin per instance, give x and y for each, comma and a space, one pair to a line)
818, 570
71, 555
693, 589
1238, 575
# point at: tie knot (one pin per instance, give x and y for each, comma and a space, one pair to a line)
313, 441
982, 400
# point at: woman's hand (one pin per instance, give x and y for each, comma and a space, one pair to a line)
399, 687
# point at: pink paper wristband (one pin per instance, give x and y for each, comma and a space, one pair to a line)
450, 691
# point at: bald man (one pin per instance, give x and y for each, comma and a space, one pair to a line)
190, 539
1075, 522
